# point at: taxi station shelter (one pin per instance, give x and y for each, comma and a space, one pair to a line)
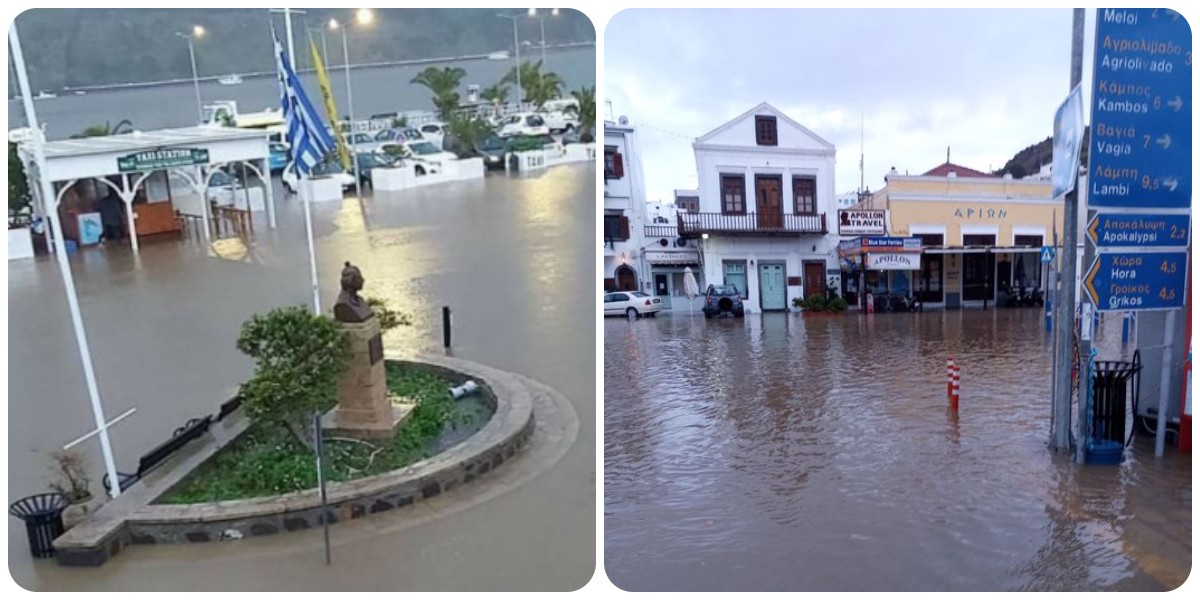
125, 163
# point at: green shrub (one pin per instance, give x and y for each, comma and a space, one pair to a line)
837, 304
298, 359
815, 303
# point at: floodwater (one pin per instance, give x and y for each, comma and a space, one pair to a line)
377, 90
503, 253
807, 453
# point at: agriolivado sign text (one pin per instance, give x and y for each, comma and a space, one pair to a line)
862, 222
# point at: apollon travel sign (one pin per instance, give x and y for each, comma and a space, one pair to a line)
163, 158
862, 222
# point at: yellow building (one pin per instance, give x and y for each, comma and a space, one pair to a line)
981, 234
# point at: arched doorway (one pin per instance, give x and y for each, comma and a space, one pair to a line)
626, 279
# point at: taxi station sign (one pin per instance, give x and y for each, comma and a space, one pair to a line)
162, 158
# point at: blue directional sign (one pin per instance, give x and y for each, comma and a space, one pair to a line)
1068, 138
1140, 153
1047, 254
1122, 230
1137, 280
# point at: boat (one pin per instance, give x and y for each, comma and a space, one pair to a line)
44, 95
230, 80
501, 55
80, 93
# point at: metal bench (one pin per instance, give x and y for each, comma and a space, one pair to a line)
193, 429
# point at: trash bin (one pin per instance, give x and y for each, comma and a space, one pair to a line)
42, 514
1114, 383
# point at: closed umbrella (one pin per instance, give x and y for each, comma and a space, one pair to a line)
690, 287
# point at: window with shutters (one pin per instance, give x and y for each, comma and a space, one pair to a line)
765, 131
804, 195
613, 167
688, 204
733, 194
616, 227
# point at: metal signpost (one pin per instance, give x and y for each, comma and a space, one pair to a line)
1139, 171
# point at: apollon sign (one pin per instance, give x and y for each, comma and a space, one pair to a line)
893, 262
862, 222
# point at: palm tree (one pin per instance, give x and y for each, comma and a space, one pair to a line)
123, 126
547, 86
531, 74
496, 93
586, 111
444, 85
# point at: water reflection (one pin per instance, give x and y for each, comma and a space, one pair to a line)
789, 452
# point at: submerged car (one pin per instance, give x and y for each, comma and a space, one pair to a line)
631, 304
368, 161
722, 299
330, 169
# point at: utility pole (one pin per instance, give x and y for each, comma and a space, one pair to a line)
1064, 320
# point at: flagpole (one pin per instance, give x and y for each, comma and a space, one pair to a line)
302, 177
64, 267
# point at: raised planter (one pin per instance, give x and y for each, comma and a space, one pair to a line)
323, 190
20, 243
132, 519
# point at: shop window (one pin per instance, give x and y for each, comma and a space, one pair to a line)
931, 239
1027, 240
976, 239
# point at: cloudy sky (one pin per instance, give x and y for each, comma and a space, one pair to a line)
983, 82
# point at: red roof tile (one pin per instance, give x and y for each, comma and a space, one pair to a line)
944, 169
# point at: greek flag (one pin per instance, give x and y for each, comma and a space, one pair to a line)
306, 133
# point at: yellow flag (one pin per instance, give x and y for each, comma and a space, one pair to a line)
330, 106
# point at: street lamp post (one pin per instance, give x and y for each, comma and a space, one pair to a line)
197, 31
542, 19
363, 16
517, 53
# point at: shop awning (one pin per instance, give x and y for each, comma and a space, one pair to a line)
673, 258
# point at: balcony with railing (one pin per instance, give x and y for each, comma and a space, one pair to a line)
654, 232
761, 224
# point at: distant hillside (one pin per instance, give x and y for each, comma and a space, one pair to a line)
73, 47
1030, 160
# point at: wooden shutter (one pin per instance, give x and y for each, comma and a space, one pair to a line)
624, 228
618, 165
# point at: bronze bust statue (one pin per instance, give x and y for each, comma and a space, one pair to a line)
350, 307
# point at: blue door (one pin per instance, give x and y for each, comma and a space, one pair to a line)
772, 285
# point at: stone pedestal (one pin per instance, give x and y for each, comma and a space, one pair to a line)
364, 410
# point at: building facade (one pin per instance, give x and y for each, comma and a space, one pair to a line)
624, 209
981, 234
667, 257
765, 200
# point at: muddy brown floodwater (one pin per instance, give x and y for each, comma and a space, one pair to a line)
789, 452
507, 254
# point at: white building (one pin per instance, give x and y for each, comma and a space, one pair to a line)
766, 208
624, 208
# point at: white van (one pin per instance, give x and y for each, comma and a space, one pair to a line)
561, 114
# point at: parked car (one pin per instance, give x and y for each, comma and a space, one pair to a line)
428, 157
434, 132
279, 156
523, 124
360, 141
631, 304
492, 148
722, 299
330, 169
551, 146
561, 115
367, 161
221, 187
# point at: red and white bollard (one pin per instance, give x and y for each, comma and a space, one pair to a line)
949, 376
954, 391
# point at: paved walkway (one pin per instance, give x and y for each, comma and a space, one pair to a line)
505, 254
